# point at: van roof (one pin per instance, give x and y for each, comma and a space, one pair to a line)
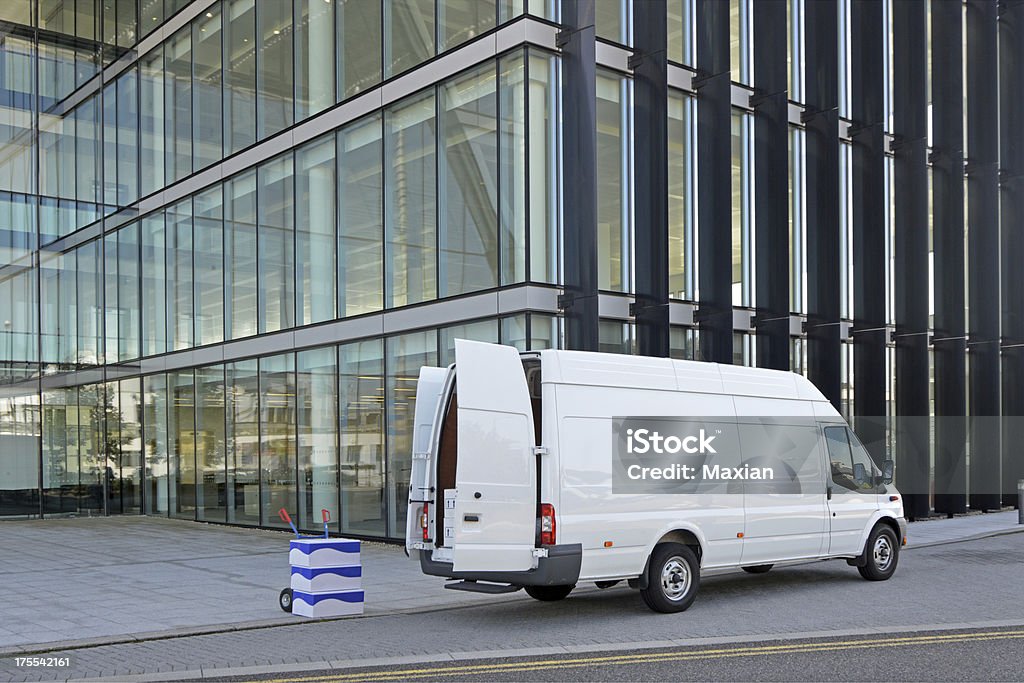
618, 370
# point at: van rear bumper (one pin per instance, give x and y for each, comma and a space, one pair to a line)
560, 568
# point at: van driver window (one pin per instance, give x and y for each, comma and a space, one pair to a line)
860, 456
839, 456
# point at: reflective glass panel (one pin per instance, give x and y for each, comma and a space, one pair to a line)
314, 57
361, 420
359, 54
242, 439
409, 34
239, 74
210, 444
207, 117
277, 437
315, 238
317, 402
360, 220
275, 79
240, 256
209, 263
276, 211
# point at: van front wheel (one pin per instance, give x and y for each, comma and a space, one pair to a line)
548, 593
881, 554
673, 578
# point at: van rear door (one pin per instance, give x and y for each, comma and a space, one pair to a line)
429, 392
496, 477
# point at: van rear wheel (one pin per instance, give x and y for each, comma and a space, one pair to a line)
548, 593
881, 554
758, 569
673, 578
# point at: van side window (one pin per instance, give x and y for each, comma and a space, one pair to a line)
872, 475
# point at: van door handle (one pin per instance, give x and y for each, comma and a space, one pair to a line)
828, 493
470, 518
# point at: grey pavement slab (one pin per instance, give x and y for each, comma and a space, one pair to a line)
135, 578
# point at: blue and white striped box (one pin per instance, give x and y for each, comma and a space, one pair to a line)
324, 552
326, 579
318, 605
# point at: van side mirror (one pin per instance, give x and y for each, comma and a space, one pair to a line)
888, 470
860, 473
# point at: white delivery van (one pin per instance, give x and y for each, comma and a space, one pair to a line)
512, 477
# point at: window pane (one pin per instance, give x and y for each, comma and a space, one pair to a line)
129, 313
315, 238
409, 25
314, 54
182, 430
610, 20
463, 20
109, 321
60, 453
680, 167
90, 435
127, 413
243, 442
276, 245
740, 210
154, 300
512, 155
411, 190
89, 292
154, 396
469, 245
209, 264
359, 53
405, 355
484, 331
240, 256
151, 85
178, 104
179, 275
210, 484
361, 229
610, 177
87, 153
240, 75
207, 116
277, 436
361, 402
543, 152
127, 138
274, 60
317, 397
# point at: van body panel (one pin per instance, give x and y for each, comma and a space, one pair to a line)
496, 480
430, 388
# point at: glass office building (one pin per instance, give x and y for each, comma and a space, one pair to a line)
231, 231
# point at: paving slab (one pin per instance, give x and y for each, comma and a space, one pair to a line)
123, 579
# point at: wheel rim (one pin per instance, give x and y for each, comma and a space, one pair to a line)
882, 553
675, 579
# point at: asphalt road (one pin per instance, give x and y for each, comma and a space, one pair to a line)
961, 655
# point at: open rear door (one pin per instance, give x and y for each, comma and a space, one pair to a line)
496, 477
429, 393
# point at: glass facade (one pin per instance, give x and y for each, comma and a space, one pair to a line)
223, 262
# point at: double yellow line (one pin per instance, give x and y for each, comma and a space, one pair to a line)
655, 657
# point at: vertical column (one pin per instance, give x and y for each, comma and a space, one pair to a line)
771, 178
869, 290
949, 342
650, 93
1011, 215
822, 120
579, 177
983, 253
910, 128
714, 181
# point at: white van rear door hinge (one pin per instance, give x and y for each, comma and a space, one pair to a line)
540, 552
424, 455
540, 450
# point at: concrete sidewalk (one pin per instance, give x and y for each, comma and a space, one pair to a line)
75, 582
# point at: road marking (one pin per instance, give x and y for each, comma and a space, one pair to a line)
650, 657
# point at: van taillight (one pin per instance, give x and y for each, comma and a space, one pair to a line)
547, 524
424, 523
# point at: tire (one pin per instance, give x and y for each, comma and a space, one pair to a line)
758, 569
673, 578
605, 584
548, 593
285, 600
881, 554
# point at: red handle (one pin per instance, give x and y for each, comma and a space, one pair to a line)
326, 514
283, 514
